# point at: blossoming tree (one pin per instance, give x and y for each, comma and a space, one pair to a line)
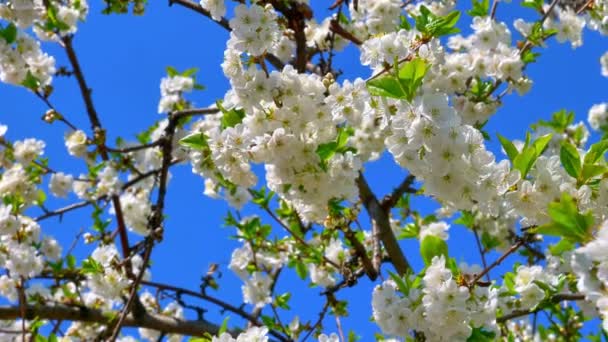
429, 94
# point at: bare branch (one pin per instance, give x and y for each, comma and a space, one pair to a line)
560, 297
83, 314
381, 225
391, 200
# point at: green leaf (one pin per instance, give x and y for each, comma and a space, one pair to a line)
570, 159
282, 301
432, 246
560, 120
411, 75
480, 8
230, 118
189, 72
224, 326
596, 152
592, 170
509, 281
401, 285
53, 22
528, 56
171, 71
196, 141
466, 219
480, 335
541, 143
530, 152
386, 86
508, 146
410, 231
404, 84
343, 19
90, 265
435, 26
562, 246
567, 222
534, 4
326, 151
404, 24
71, 261
31, 82
9, 33
301, 270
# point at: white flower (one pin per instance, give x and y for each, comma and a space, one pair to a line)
331, 338
27, 150
217, 8
254, 29
256, 290
76, 143
438, 229
61, 184
598, 116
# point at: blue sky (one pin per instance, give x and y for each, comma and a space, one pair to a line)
124, 57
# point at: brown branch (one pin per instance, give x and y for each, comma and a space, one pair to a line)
85, 91
494, 8
133, 299
560, 297
391, 200
381, 226
225, 306
83, 314
272, 59
498, 261
193, 112
335, 27
322, 315
370, 268
64, 210
99, 135
482, 252
197, 8
134, 148
586, 5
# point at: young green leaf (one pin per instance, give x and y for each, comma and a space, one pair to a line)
596, 152
508, 146
196, 141
480, 8
387, 86
432, 246
592, 170
9, 33
567, 222
411, 75
224, 326
570, 159
530, 152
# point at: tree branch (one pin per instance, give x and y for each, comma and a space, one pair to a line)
381, 226
272, 59
83, 314
391, 200
560, 297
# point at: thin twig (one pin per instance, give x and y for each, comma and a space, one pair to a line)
497, 262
